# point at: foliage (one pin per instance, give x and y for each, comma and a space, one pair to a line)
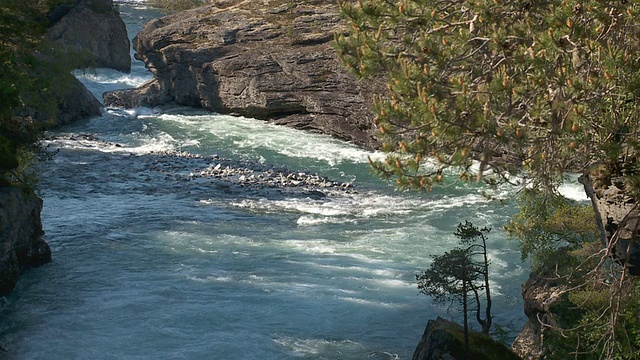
548, 226
543, 86
458, 276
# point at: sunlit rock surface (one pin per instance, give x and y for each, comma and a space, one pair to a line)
270, 60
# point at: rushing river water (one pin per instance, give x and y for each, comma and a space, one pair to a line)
151, 264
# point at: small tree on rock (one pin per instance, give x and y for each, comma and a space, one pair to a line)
461, 275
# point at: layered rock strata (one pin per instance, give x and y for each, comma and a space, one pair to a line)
21, 243
270, 60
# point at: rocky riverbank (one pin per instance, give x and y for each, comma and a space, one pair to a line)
90, 25
21, 243
271, 60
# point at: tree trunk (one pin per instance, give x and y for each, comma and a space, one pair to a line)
487, 322
465, 314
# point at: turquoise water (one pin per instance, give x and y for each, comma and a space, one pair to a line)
150, 265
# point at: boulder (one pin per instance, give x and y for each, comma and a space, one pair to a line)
21, 243
94, 26
271, 60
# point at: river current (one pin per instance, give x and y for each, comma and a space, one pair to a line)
151, 264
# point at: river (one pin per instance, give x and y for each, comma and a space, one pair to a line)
150, 263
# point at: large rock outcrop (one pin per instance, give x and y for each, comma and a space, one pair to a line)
94, 26
77, 103
271, 60
437, 340
21, 243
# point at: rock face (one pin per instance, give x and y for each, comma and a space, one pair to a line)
271, 60
94, 26
21, 244
540, 294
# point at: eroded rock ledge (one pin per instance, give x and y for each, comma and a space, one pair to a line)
271, 60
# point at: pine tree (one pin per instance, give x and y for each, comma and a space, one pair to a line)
533, 88
458, 276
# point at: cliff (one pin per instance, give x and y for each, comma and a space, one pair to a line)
271, 60
21, 243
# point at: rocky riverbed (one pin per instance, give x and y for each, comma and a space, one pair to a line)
180, 172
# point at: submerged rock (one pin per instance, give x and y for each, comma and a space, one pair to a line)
270, 60
21, 243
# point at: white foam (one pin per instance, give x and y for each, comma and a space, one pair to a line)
573, 191
111, 76
381, 304
314, 347
314, 221
352, 207
312, 246
139, 146
352, 269
131, 113
254, 134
